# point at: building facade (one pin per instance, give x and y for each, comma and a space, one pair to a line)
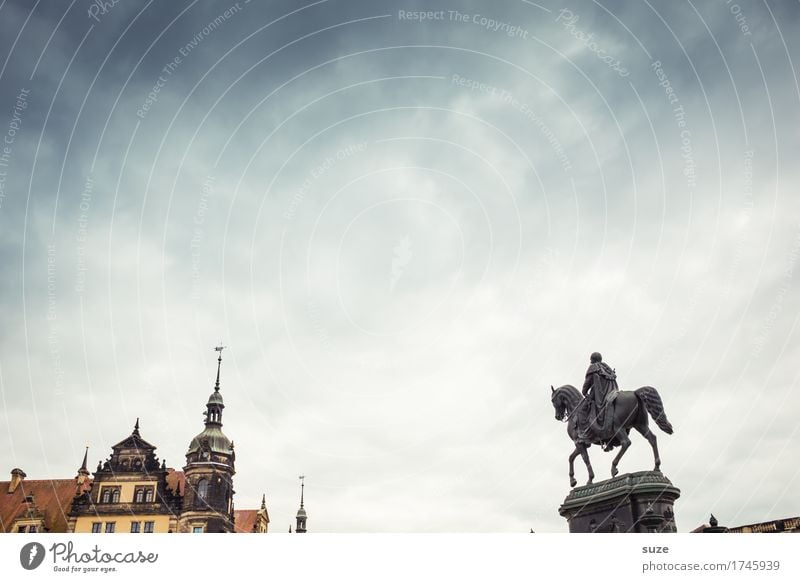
785, 525
132, 491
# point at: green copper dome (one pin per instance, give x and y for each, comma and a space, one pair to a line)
217, 441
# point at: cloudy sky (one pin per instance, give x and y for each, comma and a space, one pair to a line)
405, 228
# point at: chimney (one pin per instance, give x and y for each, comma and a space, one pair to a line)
17, 475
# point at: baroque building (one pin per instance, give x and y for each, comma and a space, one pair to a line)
132, 491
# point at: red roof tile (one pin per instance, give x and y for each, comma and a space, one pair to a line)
52, 497
244, 520
176, 481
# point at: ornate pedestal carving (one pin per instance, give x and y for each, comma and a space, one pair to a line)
639, 502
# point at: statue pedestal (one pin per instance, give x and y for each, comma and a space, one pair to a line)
639, 502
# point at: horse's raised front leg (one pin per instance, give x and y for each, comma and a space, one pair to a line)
625, 442
651, 438
585, 455
572, 481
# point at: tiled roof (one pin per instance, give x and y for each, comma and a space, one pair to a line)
244, 520
52, 497
176, 481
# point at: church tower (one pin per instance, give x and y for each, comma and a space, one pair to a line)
301, 513
209, 470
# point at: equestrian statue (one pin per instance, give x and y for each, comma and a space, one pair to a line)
604, 415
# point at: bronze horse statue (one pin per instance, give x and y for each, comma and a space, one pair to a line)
629, 410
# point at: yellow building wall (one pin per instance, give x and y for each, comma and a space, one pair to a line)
123, 522
128, 514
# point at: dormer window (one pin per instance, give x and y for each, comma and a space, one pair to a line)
143, 495
110, 495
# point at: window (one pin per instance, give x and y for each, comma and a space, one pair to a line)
110, 495
148, 526
202, 490
96, 527
32, 529
197, 529
110, 526
21, 529
143, 495
136, 526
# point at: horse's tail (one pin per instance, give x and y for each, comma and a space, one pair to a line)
652, 403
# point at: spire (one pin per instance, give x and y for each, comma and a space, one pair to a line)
301, 513
83, 469
83, 474
215, 403
263, 501
136, 428
302, 489
219, 349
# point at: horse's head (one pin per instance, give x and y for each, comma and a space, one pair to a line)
558, 403
564, 400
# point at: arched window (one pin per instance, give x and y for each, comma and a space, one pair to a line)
226, 495
106, 498
139, 496
202, 491
148, 496
115, 496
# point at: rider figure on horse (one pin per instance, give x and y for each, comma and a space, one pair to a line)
599, 389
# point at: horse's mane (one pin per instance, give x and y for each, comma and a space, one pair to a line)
571, 393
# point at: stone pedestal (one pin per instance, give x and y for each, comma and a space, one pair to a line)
639, 502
